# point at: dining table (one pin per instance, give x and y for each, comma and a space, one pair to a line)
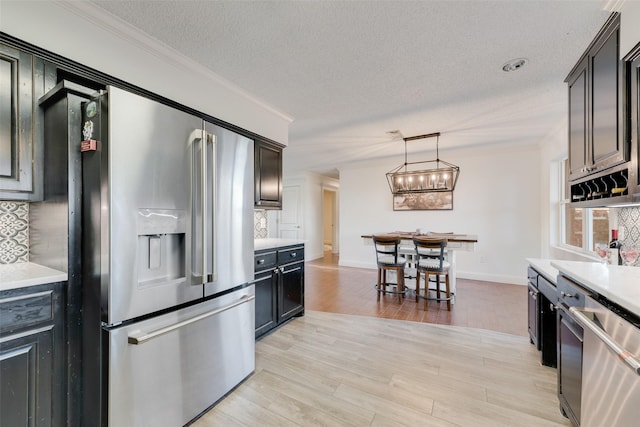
455, 242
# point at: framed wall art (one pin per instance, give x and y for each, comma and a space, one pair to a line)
423, 201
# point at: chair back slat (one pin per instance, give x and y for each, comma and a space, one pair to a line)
432, 249
386, 246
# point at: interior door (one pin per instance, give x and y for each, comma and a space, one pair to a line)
290, 224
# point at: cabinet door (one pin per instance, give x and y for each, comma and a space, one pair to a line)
569, 366
32, 356
634, 77
268, 176
534, 318
291, 298
22, 82
578, 122
266, 302
26, 370
607, 125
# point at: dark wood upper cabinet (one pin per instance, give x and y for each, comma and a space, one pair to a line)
24, 78
597, 110
268, 175
634, 130
578, 121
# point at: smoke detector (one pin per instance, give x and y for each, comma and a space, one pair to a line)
514, 64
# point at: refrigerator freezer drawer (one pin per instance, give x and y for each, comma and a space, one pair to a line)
166, 370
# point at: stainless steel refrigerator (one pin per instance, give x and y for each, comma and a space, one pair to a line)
168, 311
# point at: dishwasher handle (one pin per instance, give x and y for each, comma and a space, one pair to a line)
624, 355
144, 337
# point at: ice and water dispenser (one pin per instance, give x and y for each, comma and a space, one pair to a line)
161, 246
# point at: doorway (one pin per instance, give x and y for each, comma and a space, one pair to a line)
329, 220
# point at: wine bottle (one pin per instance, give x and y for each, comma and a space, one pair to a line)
614, 249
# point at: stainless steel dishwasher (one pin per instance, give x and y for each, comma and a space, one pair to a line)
611, 367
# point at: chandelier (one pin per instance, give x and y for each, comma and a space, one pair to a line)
423, 177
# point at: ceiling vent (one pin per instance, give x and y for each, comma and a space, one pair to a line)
514, 64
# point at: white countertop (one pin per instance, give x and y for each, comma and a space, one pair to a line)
617, 283
24, 274
271, 243
544, 267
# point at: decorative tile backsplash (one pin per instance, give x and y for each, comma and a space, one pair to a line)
260, 225
14, 232
629, 219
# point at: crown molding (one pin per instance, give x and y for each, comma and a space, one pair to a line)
134, 36
613, 5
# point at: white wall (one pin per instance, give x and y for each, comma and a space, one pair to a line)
76, 31
497, 198
629, 26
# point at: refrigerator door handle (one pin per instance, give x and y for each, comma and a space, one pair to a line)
211, 139
198, 208
142, 337
203, 198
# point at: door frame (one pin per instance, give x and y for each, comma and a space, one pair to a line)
336, 223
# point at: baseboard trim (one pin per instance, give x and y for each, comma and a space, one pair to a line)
497, 278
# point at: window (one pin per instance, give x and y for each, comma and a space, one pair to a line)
581, 228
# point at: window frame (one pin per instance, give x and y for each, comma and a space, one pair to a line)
587, 216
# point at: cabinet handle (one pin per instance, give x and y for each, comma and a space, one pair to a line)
289, 271
566, 295
260, 261
292, 254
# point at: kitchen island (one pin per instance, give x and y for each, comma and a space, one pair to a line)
455, 242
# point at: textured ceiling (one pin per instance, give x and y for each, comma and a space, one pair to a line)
349, 71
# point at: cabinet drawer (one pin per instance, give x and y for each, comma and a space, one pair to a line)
265, 261
290, 255
532, 276
25, 310
548, 289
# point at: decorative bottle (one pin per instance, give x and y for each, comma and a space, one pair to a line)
614, 249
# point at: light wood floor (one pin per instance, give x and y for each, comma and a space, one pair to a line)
328, 369
334, 369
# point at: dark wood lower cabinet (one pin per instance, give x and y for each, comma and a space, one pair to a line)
291, 290
266, 302
570, 336
542, 323
32, 355
533, 305
279, 282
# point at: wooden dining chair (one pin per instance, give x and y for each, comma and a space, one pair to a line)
388, 258
430, 261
